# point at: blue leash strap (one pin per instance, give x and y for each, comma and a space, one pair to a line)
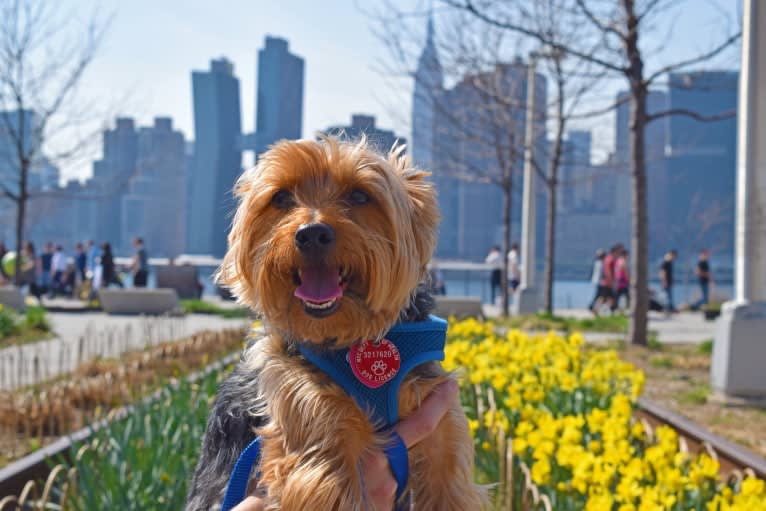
400, 467
236, 491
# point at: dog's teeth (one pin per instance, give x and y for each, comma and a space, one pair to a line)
323, 305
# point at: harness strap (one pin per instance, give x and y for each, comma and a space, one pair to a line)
400, 467
236, 491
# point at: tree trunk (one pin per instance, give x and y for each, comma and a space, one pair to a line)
639, 302
550, 239
553, 184
507, 189
21, 206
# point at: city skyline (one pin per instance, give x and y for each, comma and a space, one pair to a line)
341, 78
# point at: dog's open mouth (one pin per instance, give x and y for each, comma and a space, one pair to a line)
320, 288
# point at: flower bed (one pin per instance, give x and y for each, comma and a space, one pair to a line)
566, 412
22, 328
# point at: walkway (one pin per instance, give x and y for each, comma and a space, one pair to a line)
681, 328
82, 336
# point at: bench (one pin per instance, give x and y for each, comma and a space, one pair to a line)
12, 298
139, 301
458, 306
183, 278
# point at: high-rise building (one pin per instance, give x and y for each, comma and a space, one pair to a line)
217, 157
382, 140
475, 144
425, 100
155, 205
279, 113
701, 164
576, 179
655, 140
111, 175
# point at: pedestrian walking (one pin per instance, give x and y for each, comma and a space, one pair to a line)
495, 260
108, 270
58, 267
597, 274
94, 256
666, 279
30, 271
607, 286
622, 280
704, 277
80, 261
3, 276
46, 260
514, 273
140, 264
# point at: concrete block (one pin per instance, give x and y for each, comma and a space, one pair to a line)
738, 368
12, 298
458, 306
139, 301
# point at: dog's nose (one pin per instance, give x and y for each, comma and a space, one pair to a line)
314, 240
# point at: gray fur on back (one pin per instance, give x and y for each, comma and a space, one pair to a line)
232, 422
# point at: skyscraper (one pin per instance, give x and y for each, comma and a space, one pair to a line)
701, 162
217, 157
279, 113
475, 142
428, 87
382, 140
155, 205
111, 175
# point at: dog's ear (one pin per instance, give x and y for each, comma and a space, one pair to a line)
422, 201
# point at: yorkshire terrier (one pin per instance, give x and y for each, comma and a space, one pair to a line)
330, 244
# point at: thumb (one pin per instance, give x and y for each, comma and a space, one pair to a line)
424, 420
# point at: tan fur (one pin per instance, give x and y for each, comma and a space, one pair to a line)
317, 435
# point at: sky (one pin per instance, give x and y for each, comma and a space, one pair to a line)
143, 68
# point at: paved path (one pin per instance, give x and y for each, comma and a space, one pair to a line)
681, 328
82, 336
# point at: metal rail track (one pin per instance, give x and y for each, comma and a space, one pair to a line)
730, 455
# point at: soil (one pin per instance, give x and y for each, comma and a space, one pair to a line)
678, 378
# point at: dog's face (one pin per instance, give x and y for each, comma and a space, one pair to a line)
330, 239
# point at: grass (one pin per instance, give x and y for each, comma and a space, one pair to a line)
661, 362
145, 461
16, 328
706, 348
544, 321
695, 396
195, 306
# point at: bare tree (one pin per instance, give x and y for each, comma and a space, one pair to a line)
612, 37
44, 54
480, 105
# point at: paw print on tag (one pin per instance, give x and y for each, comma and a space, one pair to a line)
379, 367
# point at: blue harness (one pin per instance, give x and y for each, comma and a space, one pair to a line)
417, 343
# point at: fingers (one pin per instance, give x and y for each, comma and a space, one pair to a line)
249, 504
423, 422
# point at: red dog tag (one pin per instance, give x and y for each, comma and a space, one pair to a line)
374, 364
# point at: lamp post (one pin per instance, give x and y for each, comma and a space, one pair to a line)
528, 300
739, 349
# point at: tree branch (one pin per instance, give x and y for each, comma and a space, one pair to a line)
469, 7
694, 115
694, 60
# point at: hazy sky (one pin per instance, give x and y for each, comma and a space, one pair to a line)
152, 46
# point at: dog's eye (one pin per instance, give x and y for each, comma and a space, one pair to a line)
283, 200
358, 197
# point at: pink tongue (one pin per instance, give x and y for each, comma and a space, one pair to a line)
319, 284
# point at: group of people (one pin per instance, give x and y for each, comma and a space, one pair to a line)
611, 277
495, 260
54, 273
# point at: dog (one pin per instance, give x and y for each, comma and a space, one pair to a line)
330, 244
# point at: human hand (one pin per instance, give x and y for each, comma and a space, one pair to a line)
380, 485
